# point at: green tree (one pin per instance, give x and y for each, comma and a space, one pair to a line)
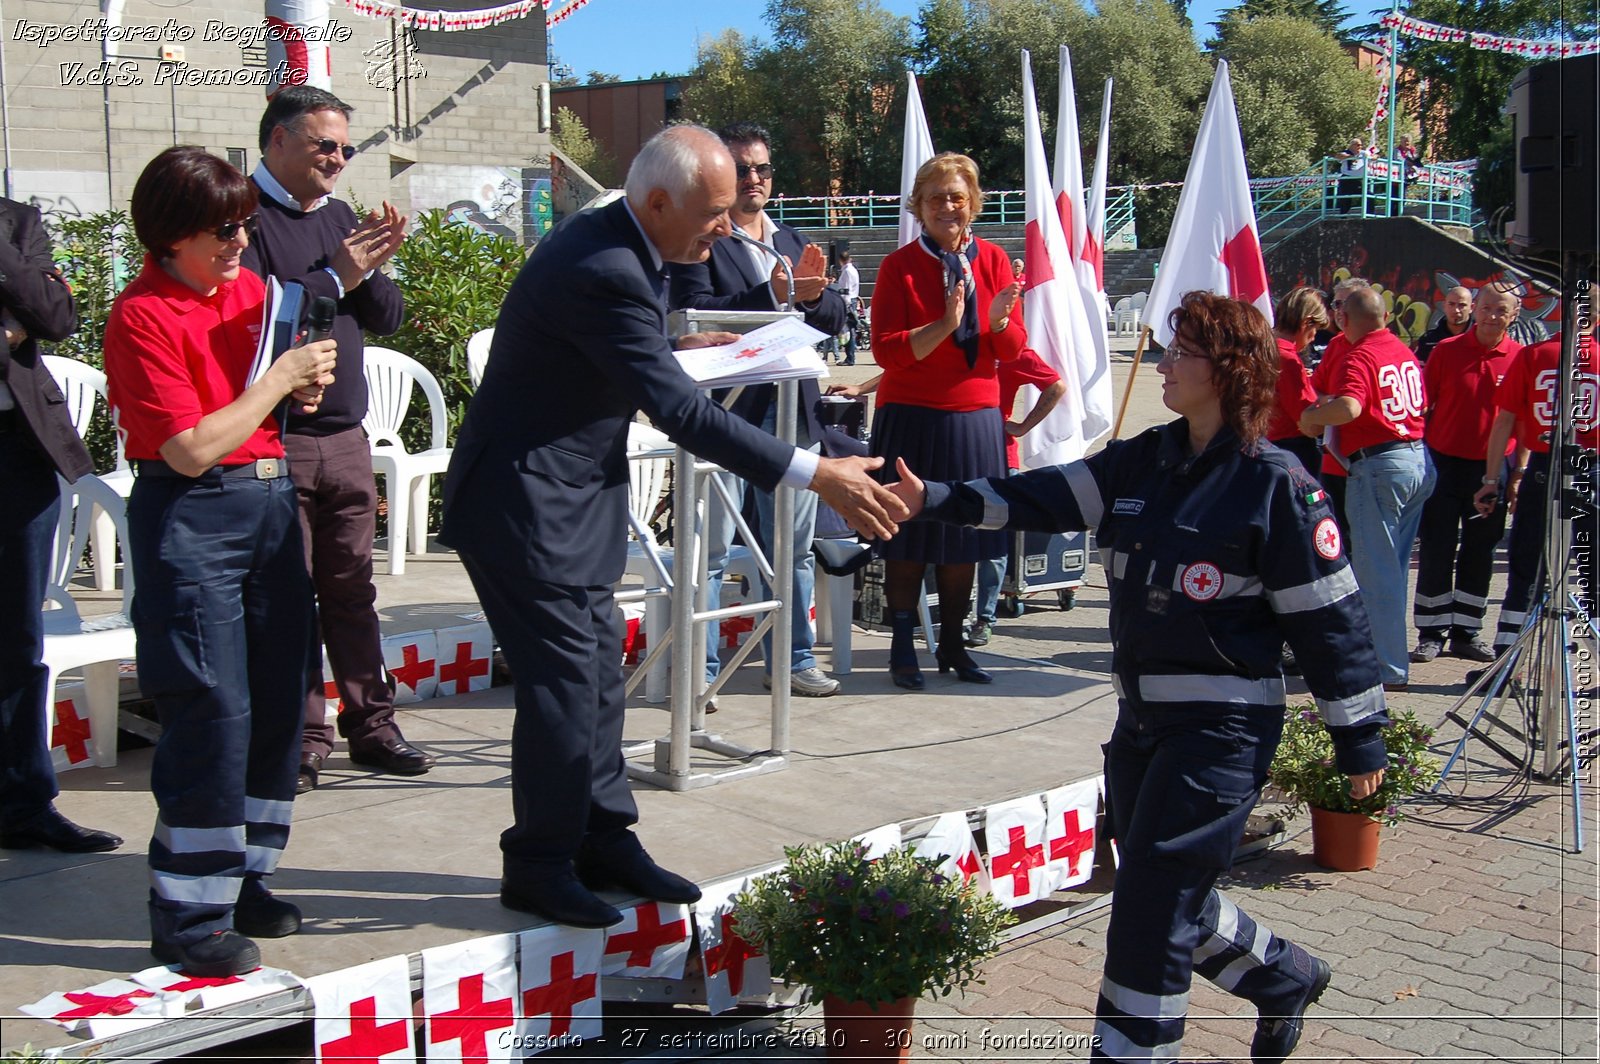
1328, 15
727, 85
572, 137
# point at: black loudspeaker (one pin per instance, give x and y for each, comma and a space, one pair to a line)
834, 247
1553, 108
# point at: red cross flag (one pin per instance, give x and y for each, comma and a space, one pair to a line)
734, 969
412, 659
71, 742
364, 1013
1213, 245
1069, 833
469, 994
560, 987
916, 148
652, 942
466, 654
1015, 833
1094, 248
113, 1007
330, 690
951, 838
216, 993
880, 841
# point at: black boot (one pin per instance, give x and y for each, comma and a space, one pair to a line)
903, 668
952, 652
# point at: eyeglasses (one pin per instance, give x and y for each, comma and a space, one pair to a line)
228, 230
1337, 303
955, 199
1175, 354
761, 170
327, 145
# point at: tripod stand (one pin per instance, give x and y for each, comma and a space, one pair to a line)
1536, 671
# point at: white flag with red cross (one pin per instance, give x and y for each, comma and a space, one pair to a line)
1069, 833
364, 1013
1015, 834
916, 148
466, 657
113, 1007
652, 942
734, 969
560, 987
951, 838
880, 841
469, 995
1094, 248
1214, 245
71, 740
412, 659
330, 688
214, 993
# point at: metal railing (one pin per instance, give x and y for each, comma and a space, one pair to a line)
871, 211
1439, 193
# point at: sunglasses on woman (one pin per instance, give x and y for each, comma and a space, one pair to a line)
228, 230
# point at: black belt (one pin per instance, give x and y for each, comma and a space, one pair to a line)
1379, 448
260, 469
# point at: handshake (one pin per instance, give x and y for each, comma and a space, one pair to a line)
874, 510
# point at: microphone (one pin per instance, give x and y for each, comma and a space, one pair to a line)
788, 271
319, 320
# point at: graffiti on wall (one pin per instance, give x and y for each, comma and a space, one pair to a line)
513, 202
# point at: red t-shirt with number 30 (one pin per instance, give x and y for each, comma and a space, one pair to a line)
1529, 392
1383, 376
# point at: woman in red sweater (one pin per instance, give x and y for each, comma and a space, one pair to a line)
1296, 320
944, 314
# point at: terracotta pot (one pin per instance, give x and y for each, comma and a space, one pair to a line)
858, 1031
1344, 842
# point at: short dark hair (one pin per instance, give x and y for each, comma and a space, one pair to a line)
295, 102
186, 190
1244, 357
745, 133
844, 254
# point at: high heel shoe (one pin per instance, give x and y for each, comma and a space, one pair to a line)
967, 670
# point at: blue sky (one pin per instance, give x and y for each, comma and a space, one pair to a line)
637, 38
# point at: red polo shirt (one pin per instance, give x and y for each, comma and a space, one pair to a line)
173, 356
1461, 377
1322, 379
1026, 368
1383, 376
1294, 393
1529, 392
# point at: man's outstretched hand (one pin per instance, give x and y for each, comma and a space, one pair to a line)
910, 490
867, 506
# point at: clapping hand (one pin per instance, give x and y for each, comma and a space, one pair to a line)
369, 245
1004, 302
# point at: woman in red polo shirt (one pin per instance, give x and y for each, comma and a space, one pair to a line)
1298, 317
223, 605
944, 314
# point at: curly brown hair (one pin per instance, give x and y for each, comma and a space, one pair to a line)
1244, 358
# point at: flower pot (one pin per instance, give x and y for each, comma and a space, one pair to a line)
859, 1031
1344, 842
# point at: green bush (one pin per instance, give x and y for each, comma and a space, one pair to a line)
1303, 767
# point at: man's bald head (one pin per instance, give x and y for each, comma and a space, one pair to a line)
1364, 313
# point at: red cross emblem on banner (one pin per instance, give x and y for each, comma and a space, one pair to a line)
101, 1004
71, 732
734, 627
471, 1020
729, 955
1018, 861
650, 935
969, 866
461, 671
1036, 264
1077, 841
411, 670
194, 983
557, 997
330, 691
1326, 538
1247, 272
368, 1040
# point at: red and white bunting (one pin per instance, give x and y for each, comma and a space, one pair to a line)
469, 995
216, 993
364, 1013
1214, 245
297, 49
1407, 26
466, 659
1069, 826
113, 1007
412, 659
880, 841
1015, 833
71, 738
734, 969
916, 148
951, 838
652, 942
560, 987
456, 21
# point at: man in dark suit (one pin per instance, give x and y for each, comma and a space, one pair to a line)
737, 276
536, 502
37, 441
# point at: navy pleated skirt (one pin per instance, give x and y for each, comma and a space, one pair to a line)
941, 445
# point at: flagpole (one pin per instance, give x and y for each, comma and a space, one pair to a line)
1394, 106
1127, 391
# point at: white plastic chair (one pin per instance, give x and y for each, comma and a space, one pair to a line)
1125, 316
478, 355
92, 645
81, 383
390, 379
647, 477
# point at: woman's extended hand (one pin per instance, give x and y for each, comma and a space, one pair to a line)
909, 489
1000, 308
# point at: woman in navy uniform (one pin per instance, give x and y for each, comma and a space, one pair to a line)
1218, 548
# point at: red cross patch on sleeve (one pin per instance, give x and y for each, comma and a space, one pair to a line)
1326, 538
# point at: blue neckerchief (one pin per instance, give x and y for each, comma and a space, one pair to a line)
957, 264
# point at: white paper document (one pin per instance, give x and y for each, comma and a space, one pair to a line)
780, 351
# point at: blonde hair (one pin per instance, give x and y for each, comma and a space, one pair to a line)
947, 164
1299, 306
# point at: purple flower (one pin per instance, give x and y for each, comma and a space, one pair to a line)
865, 912
882, 894
901, 910
843, 881
1308, 714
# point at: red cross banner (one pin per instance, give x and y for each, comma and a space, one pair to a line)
652, 942
1015, 833
215, 993
466, 658
469, 995
113, 1007
412, 659
880, 841
1069, 833
734, 969
364, 1013
951, 838
330, 690
559, 989
71, 743
633, 641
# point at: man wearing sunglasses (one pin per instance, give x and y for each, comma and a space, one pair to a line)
306, 235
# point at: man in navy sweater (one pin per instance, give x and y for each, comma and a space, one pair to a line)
307, 236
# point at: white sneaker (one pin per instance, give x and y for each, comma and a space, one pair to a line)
810, 683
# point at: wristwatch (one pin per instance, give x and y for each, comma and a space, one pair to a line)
1487, 481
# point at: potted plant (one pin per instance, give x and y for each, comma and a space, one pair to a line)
1344, 833
869, 937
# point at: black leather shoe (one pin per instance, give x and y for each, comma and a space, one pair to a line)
395, 756
559, 898
907, 676
626, 866
260, 915
1277, 1035
216, 956
967, 670
50, 830
310, 772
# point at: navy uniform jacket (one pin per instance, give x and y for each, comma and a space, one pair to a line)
730, 281
540, 470
1213, 561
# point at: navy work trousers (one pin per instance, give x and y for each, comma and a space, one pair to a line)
1452, 583
1525, 552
